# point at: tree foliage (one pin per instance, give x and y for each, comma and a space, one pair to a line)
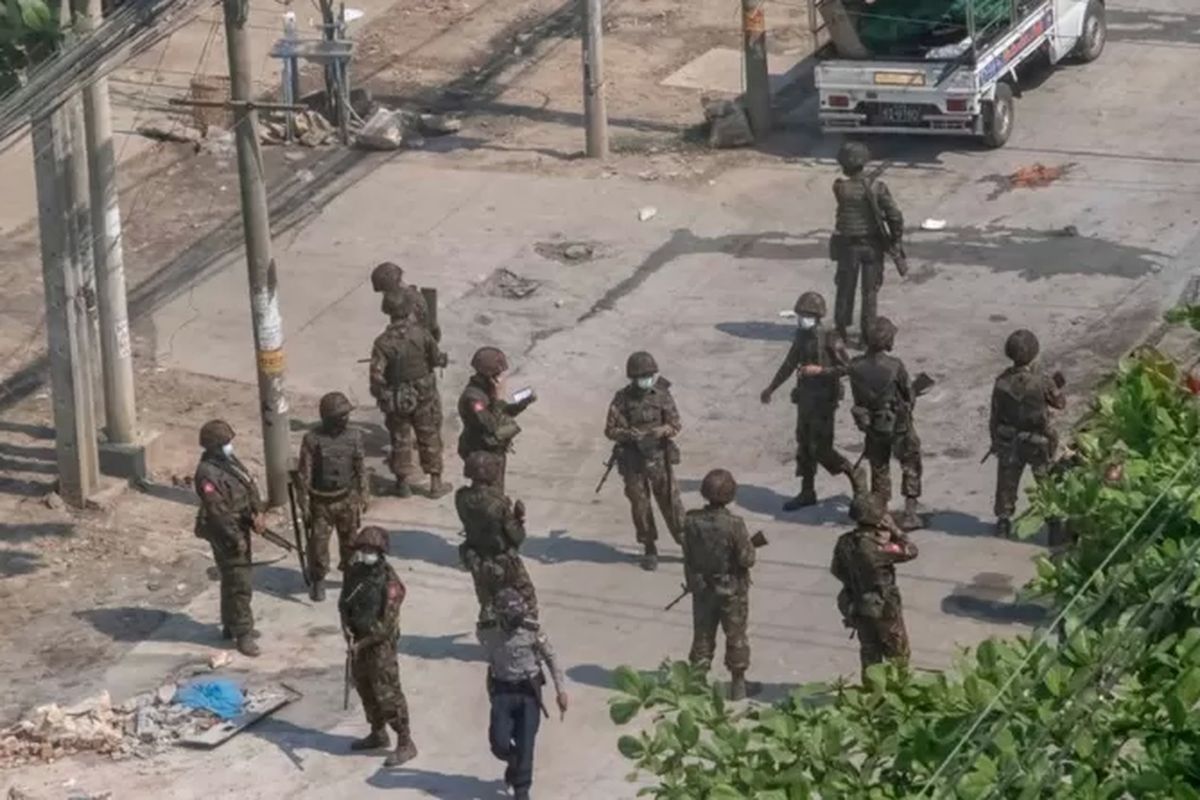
1105, 703
29, 32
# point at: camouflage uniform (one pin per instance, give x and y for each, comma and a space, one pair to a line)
403, 383
334, 481
488, 422
717, 557
864, 561
1020, 427
370, 611
419, 313
859, 244
883, 400
229, 500
494, 531
643, 423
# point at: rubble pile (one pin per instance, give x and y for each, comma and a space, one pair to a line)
140, 727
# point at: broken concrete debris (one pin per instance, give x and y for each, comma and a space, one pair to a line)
506, 283
390, 130
728, 125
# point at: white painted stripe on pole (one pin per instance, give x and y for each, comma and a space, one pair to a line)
268, 324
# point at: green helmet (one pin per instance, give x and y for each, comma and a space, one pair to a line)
334, 405
868, 510
880, 335
371, 537
853, 156
640, 365
397, 303
386, 276
489, 362
1022, 347
718, 487
483, 467
811, 304
215, 433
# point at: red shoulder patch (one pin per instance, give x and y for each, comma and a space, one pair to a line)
478, 406
893, 547
208, 487
396, 593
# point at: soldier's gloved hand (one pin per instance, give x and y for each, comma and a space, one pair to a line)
563, 702
765, 397
519, 510
811, 369
443, 359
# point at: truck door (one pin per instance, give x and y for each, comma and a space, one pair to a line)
1068, 26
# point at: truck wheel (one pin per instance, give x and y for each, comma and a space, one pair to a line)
1094, 34
999, 114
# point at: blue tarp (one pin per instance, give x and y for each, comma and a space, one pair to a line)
221, 696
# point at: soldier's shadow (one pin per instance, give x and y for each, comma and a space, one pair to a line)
439, 784
439, 648
559, 547
423, 546
764, 500
601, 677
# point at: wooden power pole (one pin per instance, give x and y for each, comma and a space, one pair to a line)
758, 87
594, 113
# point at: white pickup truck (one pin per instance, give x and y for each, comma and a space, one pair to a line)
964, 90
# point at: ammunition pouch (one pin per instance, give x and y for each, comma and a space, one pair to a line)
862, 418
404, 398
845, 607
870, 605
672, 452
837, 245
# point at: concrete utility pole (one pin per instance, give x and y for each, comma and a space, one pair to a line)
119, 402
264, 299
594, 114
758, 87
66, 311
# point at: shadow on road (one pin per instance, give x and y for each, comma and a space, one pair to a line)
133, 624
559, 547
768, 502
19, 562
423, 546
989, 597
291, 739
760, 331
439, 648
11, 534
440, 785
956, 523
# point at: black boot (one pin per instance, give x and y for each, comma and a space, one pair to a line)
405, 751
248, 647
377, 739
438, 487
402, 488
807, 496
650, 557
316, 591
737, 686
909, 519
1003, 528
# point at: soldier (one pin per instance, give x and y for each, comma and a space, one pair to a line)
333, 482
230, 508
495, 528
818, 360
1020, 424
487, 416
864, 560
516, 650
370, 609
388, 279
403, 383
717, 557
643, 421
883, 406
864, 207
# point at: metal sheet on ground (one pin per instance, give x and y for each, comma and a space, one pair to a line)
261, 703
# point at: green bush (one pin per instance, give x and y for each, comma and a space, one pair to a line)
1103, 703
29, 32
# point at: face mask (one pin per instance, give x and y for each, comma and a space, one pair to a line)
807, 323
227, 449
646, 383
368, 559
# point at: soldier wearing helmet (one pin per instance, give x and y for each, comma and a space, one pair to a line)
517, 649
818, 359
404, 384
717, 557
643, 422
230, 510
868, 224
488, 417
370, 611
1020, 427
387, 279
864, 560
332, 481
495, 529
883, 410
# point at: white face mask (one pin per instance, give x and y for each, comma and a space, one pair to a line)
646, 383
807, 323
361, 557
227, 449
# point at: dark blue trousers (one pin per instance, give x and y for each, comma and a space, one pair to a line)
516, 716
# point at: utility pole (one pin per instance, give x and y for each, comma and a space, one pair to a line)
758, 87
264, 299
594, 114
120, 407
66, 310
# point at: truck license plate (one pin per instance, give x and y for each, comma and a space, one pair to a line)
900, 114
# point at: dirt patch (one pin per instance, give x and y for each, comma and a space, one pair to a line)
567, 252
1032, 176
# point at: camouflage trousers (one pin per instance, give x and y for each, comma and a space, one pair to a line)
1010, 466
814, 443
655, 482
881, 638
327, 516
904, 447
732, 613
376, 675
424, 427
858, 261
237, 589
493, 573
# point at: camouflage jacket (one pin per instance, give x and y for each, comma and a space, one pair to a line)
717, 553
1021, 403
370, 603
332, 466
229, 499
488, 422
643, 423
864, 560
488, 518
819, 347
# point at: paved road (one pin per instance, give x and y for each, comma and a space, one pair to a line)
700, 285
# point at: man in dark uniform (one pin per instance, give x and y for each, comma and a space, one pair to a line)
333, 481
495, 528
516, 649
404, 385
230, 509
1020, 425
370, 609
864, 208
643, 421
487, 415
883, 411
387, 279
864, 560
717, 557
818, 360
